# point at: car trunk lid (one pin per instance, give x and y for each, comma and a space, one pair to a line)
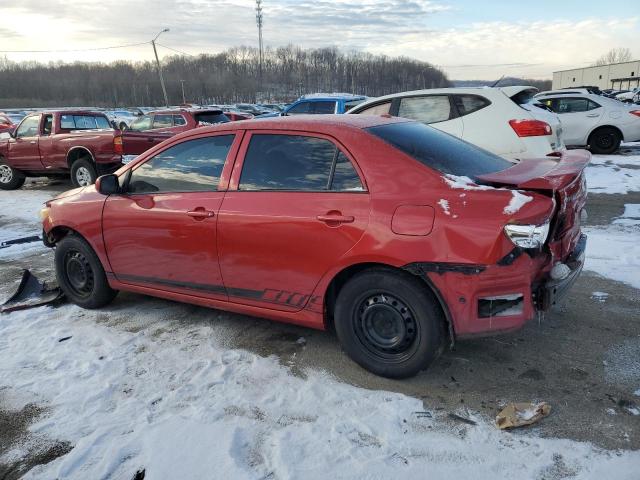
562, 179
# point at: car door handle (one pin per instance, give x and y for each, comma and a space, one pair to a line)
335, 218
200, 213
592, 115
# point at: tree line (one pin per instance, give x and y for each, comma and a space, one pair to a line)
232, 76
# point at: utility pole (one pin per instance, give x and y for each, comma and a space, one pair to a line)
183, 97
155, 52
259, 23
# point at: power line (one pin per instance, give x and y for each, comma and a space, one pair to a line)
77, 50
175, 50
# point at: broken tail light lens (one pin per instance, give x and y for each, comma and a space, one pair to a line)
528, 236
530, 128
635, 112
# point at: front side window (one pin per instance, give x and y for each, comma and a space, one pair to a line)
429, 109
299, 109
438, 150
380, 109
162, 121
296, 163
28, 127
141, 124
191, 166
324, 107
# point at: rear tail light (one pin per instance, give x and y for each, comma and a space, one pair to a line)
635, 112
117, 145
530, 128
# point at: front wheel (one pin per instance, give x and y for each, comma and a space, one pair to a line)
604, 141
83, 173
10, 178
389, 323
80, 273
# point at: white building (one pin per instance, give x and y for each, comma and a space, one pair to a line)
622, 76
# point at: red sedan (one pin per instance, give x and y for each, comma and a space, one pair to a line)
400, 236
6, 125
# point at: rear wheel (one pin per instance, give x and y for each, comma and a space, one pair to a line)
604, 140
80, 273
10, 178
83, 172
388, 323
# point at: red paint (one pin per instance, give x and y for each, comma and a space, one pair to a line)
274, 254
46, 154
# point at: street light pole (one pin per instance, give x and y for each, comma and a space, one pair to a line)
155, 52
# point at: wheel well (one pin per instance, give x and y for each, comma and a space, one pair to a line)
78, 153
345, 275
605, 126
58, 233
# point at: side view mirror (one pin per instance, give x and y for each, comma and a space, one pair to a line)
108, 184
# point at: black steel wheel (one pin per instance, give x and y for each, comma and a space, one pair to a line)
604, 140
389, 322
80, 273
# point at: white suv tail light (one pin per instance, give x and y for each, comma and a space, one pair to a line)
530, 128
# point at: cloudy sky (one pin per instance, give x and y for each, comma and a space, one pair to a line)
469, 39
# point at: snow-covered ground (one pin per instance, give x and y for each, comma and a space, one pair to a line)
176, 400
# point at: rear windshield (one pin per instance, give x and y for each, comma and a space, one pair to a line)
210, 118
439, 150
83, 122
524, 96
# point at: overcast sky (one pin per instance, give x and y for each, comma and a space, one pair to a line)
469, 39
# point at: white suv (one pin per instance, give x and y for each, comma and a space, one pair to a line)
502, 120
598, 122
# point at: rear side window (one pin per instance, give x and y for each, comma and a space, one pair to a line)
429, 109
573, 105
351, 104
324, 107
83, 122
162, 121
438, 150
210, 118
191, 166
379, 109
296, 163
467, 104
178, 120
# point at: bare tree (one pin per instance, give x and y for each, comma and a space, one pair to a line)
228, 77
615, 55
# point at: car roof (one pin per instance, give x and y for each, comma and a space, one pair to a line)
332, 124
188, 110
316, 97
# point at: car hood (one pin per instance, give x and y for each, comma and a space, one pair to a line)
70, 193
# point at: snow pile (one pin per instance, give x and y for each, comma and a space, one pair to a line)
518, 200
465, 183
160, 393
631, 215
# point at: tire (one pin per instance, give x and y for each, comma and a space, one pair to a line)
10, 178
604, 140
80, 273
389, 323
83, 172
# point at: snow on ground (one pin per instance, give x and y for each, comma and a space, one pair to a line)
615, 173
614, 251
169, 397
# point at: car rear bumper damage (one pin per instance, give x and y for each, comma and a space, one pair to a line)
484, 300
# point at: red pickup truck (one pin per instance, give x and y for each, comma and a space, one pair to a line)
155, 127
54, 143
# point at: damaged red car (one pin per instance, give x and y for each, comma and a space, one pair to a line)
401, 237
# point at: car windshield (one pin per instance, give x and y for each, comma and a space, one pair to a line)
439, 150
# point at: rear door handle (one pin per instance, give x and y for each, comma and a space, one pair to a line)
335, 218
200, 213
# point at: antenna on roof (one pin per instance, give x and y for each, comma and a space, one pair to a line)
497, 81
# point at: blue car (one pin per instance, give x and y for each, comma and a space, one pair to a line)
319, 104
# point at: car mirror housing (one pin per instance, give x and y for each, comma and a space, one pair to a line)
108, 184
